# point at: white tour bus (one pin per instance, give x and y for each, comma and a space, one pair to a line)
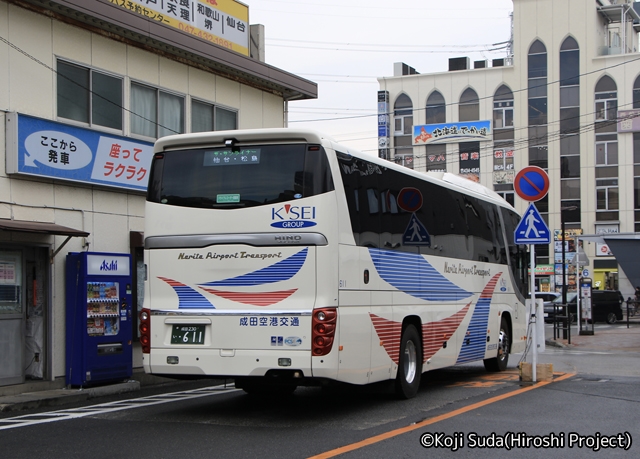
279, 258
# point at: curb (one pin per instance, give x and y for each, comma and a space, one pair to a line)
57, 397
558, 344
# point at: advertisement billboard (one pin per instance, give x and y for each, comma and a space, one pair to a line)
222, 22
45, 148
468, 131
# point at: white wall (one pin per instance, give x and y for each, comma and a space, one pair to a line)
29, 87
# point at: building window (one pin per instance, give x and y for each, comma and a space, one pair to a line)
606, 96
537, 105
503, 108
403, 129
470, 160
436, 112
502, 114
636, 180
606, 106
469, 107
436, 158
570, 124
208, 117
503, 160
569, 189
571, 213
538, 131
607, 194
606, 170
503, 136
606, 153
89, 96
508, 196
155, 113
403, 116
636, 93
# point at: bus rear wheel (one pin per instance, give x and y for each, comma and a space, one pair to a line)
500, 361
410, 364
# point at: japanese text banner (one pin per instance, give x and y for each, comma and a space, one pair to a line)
452, 132
222, 22
46, 148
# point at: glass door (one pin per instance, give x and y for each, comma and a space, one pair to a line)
11, 318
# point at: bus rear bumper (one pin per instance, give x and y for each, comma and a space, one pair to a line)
225, 362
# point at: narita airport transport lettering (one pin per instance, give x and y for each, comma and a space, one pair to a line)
225, 256
466, 270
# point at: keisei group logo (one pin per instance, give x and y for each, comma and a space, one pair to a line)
295, 217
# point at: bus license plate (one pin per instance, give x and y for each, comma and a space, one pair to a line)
187, 334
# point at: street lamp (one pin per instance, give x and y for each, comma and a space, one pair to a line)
566, 331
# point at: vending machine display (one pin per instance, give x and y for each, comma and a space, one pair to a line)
99, 308
103, 308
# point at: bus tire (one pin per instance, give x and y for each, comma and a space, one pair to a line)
410, 364
500, 361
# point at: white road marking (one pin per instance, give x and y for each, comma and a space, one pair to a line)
75, 413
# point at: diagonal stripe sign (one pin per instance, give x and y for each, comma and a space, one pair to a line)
531, 183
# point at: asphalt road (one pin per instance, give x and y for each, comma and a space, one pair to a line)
590, 410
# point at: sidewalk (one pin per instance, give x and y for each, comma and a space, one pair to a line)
33, 398
615, 337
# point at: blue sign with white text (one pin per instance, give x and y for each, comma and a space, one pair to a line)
60, 151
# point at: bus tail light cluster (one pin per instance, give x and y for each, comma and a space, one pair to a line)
323, 330
145, 331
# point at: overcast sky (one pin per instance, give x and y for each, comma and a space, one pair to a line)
344, 45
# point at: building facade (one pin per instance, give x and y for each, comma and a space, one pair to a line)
565, 99
86, 87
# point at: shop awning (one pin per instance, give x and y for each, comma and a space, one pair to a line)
23, 226
626, 248
627, 253
40, 227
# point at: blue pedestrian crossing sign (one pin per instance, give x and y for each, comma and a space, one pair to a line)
532, 229
416, 233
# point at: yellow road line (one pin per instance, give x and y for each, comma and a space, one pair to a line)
442, 417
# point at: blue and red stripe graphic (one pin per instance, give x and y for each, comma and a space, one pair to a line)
475, 340
412, 274
188, 298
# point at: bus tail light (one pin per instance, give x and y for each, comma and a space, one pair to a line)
145, 331
323, 329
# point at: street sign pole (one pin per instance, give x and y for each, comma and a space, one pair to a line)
532, 184
534, 307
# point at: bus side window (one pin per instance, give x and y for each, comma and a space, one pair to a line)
517, 253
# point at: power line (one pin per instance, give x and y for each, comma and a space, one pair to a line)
429, 9
395, 51
553, 137
478, 99
89, 91
387, 45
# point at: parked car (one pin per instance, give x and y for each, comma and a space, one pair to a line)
546, 296
606, 306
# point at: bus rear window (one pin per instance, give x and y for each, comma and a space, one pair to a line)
239, 177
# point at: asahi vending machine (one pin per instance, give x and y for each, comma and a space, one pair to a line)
99, 308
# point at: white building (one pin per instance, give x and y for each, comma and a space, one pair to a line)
85, 89
561, 101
